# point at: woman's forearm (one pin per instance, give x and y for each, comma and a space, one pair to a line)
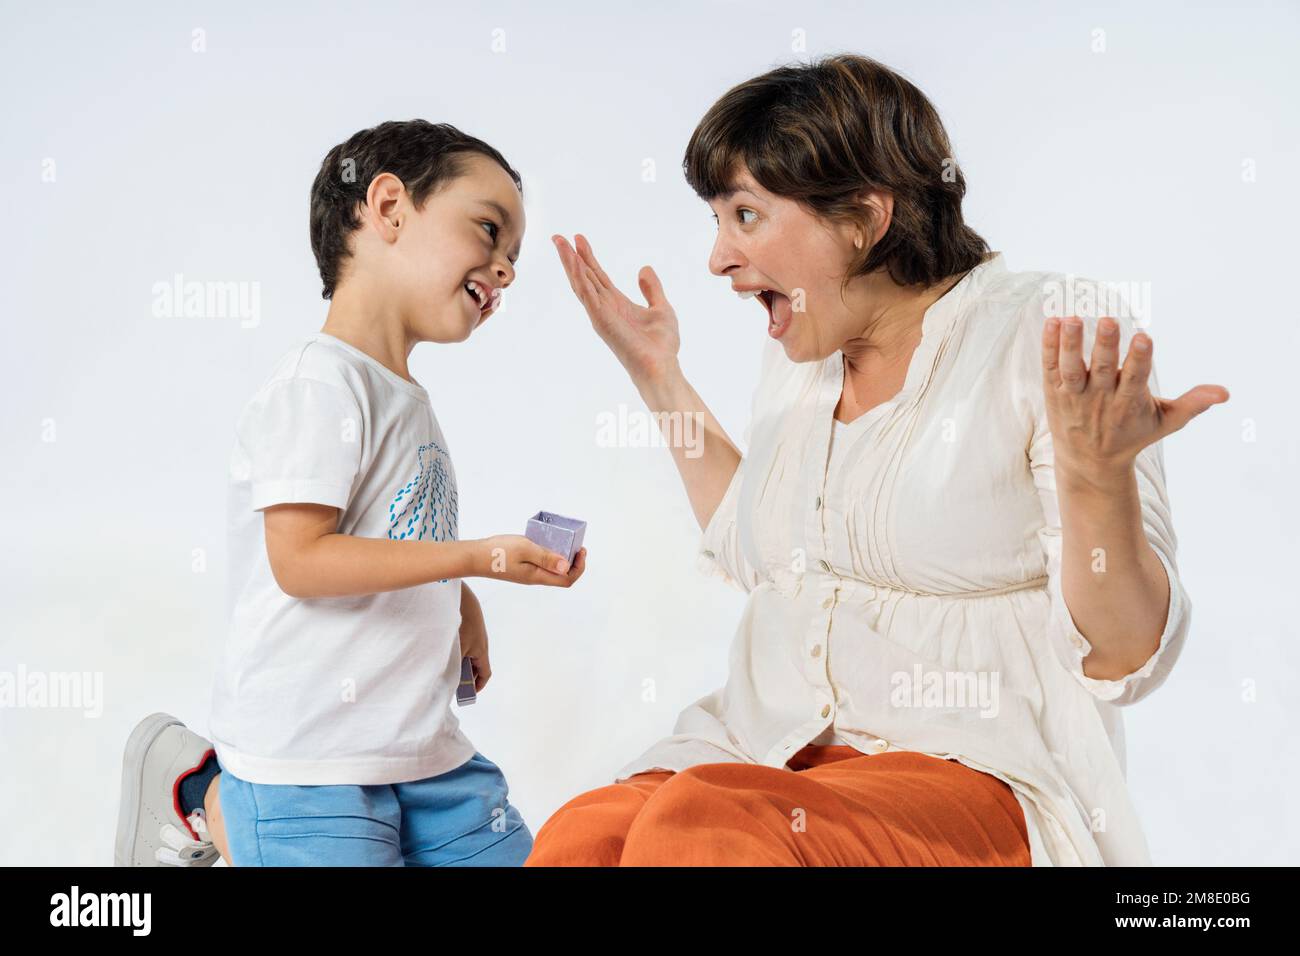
1114, 584
705, 457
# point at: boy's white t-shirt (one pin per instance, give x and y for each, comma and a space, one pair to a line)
343, 690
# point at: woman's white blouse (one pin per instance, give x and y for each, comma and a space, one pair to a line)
909, 597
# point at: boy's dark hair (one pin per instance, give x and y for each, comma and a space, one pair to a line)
423, 155
823, 133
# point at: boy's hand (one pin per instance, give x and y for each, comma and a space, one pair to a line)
474, 639
513, 557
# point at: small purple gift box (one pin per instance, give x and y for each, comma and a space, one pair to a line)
465, 693
556, 533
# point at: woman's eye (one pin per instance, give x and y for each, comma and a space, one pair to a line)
493, 228
740, 213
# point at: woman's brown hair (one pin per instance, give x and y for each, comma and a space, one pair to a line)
823, 133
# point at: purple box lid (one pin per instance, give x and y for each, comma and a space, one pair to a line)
556, 533
465, 693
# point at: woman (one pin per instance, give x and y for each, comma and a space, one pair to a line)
954, 533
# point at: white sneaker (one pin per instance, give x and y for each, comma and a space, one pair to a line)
151, 828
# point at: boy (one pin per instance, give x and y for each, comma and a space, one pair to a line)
334, 739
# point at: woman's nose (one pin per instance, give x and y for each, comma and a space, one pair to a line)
724, 256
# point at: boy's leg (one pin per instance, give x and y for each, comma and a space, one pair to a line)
290, 825
462, 818
590, 829
212, 819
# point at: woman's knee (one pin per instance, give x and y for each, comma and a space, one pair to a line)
711, 815
591, 828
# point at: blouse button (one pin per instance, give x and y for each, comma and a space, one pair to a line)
710, 555
1074, 639
828, 602
881, 745
826, 710
817, 651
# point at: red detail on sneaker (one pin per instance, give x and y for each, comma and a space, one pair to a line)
176, 793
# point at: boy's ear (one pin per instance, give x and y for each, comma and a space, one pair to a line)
383, 205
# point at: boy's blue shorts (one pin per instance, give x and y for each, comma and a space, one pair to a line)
458, 818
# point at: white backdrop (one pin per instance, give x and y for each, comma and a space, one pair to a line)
131, 157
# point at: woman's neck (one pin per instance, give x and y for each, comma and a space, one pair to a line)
892, 328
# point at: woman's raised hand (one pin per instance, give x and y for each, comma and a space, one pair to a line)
1102, 415
643, 337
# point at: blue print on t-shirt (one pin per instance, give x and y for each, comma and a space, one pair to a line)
426, 505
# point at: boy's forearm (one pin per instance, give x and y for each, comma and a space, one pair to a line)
470, 609
343, 565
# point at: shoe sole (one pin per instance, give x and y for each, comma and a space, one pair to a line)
128, 814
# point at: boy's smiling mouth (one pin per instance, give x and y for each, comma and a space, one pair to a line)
483, 296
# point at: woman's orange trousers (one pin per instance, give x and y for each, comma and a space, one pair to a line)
838, 807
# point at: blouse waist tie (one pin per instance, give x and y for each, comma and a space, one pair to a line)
791, 583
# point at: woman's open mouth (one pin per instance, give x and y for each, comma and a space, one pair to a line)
779, 312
